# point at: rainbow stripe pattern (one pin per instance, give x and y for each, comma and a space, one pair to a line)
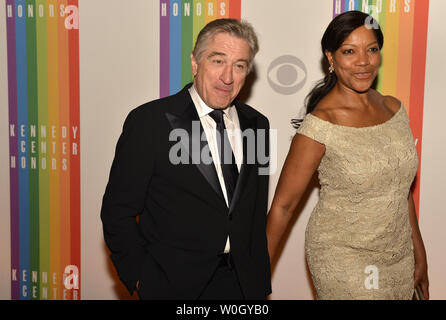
403, 69
44, 136
180, 23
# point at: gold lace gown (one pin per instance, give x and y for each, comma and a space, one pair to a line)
358, 240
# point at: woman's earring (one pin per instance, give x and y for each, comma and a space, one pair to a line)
331, 68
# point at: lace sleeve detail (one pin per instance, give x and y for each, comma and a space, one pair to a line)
314, 128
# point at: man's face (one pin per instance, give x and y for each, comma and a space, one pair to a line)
222, 69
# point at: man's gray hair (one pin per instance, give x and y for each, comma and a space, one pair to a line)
237, 28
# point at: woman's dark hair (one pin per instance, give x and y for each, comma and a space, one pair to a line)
337, 31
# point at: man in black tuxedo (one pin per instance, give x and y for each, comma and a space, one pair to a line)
188, 165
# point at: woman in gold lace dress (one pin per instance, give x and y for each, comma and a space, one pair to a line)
362, 240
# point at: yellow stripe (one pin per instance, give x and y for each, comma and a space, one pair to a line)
391, 44
199, 18
211, 10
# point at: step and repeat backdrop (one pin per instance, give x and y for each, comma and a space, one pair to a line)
73, 69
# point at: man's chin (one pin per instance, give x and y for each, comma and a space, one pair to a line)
221, 105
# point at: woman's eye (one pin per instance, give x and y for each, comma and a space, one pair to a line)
348, 51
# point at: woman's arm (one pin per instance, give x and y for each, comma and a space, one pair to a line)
420, 274
302, 161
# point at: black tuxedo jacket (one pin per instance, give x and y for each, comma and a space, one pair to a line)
184, 221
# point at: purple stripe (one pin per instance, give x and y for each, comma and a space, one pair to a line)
164, 48
338, 3
13, 145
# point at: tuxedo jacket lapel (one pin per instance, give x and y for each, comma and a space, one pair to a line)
187, 119
245, 169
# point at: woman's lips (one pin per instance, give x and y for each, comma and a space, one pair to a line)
363, 75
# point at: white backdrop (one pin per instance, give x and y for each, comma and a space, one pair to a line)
119, 61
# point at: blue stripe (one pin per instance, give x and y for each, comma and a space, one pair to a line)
22, 120
175, 46
347, 5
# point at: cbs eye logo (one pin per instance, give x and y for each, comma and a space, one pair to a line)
287, 74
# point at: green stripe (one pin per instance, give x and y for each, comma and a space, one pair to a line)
33, 146
198, 21
44, 212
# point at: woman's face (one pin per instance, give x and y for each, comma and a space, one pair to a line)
357, 60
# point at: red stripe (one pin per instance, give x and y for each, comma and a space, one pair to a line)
75, 219
421, 17
235, 9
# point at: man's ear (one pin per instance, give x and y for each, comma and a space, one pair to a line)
194, 64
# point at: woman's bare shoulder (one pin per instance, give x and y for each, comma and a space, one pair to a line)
392, 103
325, 109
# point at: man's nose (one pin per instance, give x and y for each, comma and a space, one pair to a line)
227, 75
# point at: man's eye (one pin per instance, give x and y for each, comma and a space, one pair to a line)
240, 67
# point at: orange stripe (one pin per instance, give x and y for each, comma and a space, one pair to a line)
64, 149
223, 9
421, 18
53, 133
403, 82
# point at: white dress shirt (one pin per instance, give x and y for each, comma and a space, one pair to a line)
232, 124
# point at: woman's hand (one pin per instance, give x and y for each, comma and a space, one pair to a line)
420, 273
303, 159
420, 276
